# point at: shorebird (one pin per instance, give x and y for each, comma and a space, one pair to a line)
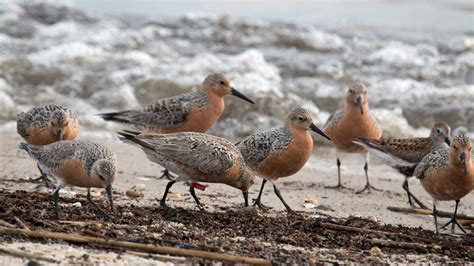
355, 120
196, 157
45, 125
448, 175
191, 112
405, 154
280, 152
76, 163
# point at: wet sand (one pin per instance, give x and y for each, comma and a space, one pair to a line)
321, 170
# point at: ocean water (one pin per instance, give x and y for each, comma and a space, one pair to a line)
416, 57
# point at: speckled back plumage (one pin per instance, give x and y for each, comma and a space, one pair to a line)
54, 155
40, 117
435, 160
163, 113
256, 147
210, 157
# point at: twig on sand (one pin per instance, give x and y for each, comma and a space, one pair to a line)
179, 260
345, 228
74, 238
399, 244
6, 224
27, 255
41, 222
429, 212
21, 223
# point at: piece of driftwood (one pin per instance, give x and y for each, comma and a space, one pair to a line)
6, 224
400, 244
345, 228
21, 223
429, 212
74, 238
26, 255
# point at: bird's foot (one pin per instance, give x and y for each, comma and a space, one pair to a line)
338, 186
260, 205
454, 223
368, 187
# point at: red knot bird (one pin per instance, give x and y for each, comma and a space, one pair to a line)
76, 163
405, 154
280, 152
448, 174
191, 112
354, 120
45, 125
195, 157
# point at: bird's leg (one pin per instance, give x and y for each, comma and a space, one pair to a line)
454, 221
168, 175
410, 196
257, 202
246, 198
277, 192
108, 189
43, 178
435, 214
102, 212
167, 189
339, 184
193, 193
55, 199
368, 186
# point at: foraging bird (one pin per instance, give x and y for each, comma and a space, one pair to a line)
191, 112
47, 124
405, 154
280, 152
448, 174
76, 163
355, 120
196, 157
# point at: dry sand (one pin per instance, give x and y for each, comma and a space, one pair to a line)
321, 170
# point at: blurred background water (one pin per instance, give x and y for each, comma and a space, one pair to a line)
417, 58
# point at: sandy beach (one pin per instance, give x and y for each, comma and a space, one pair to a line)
135, 169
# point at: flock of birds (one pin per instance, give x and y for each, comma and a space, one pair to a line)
171, 133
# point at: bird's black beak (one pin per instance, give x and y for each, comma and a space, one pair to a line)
59, 135
240, 95
462, 159
359, 102
314, 128
448, 141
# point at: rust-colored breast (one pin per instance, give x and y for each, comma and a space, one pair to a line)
73, 173
70, 133
230, 178
39, 136
351, 126
288, 161
201, 119
449, 183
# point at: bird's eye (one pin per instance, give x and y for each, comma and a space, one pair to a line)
300, 118
438, 130
351, 91
455, 147
102, 177
222, 82
53, 124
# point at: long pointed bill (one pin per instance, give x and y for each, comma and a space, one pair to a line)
462, 158
236, 93
359, 102
59, 135
314, 128
448, 141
